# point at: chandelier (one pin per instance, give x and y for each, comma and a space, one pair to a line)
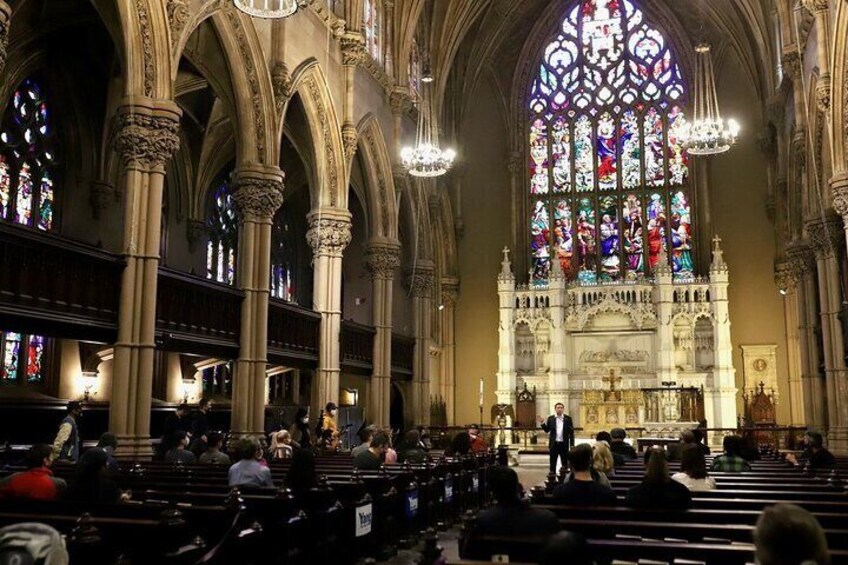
426, 159
708, 134
268, 8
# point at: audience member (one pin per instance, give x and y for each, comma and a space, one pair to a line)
602, 460
509, 516
478, 443
179, 453
617, 458
281, 447
581, 489
815, 453
699, 441
174, 424
299, 429
460, 445
92, 485
108, 442
37, 482
200, 427
213, 454
693, 470
410, 450
787, 534
365, 435
302, 475
730, 461
657, 489
566, 547
248, 471
66, 446
391, 456
372, 458
618, 445
674, 451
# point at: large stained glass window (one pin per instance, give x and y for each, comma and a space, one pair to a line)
223, 237
283, 259
21, 359
607, 173
372, 20
27, 159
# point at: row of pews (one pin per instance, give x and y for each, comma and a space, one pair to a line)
718, 529
182, 515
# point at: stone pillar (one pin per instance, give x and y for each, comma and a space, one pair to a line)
723, 390
827, 239
820, 10
382, 258
146, 136
786, 277
389, 41
353, 53
559, 388
506, 332
5, 20
328, 236
450, 293
664, 303
420, 283
257, 196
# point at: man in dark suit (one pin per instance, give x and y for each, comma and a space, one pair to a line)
560, 430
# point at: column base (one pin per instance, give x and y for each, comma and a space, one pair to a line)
134, 448
837, 440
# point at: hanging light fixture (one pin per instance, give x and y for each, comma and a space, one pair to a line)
426, 159
274, 9
708, 133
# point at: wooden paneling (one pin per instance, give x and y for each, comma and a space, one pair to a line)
403, 352
293, 334
357, 347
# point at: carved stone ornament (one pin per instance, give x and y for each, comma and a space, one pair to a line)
400, 101
382, 260
791, 64
145, 139
328, 236
178, 15
196, 231
450, 294
420, 281
801, 259
839, 195
353, 49
785, 275
5, 14
823, 94
815, 5
146, 45
100, 195
827, 236
259, 197
282, 84
349, 140
799, 148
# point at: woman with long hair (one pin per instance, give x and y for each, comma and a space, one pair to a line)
281, 447
657, 489
693, 470
602, 460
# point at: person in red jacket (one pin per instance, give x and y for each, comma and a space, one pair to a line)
478, 444
37, 482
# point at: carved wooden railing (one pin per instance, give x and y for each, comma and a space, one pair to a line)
293, 333
49, 282
403, 356
194, 315
357, 347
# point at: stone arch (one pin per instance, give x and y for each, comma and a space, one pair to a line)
378, 173
839, 98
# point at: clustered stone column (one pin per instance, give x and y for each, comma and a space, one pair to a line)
382, 258
827, 239
146, 136
820, 10
257, 196
450, 294
420, 282
353, 53
328, 236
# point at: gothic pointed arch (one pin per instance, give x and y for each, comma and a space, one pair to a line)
381, 191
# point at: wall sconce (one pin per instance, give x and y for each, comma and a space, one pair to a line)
89, 381
348, 397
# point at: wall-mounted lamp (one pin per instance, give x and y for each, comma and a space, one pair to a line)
348, 397
782, 291
89, 381
441, 307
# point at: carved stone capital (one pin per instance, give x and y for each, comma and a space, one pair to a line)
785, 277
791, 64
350, 138
353, 48
827, 235
839, 195
196, 231
382, 259
400, 101
100, 195
178, 15
814, 6
823, 94
420, 279
800, 257
282, 84
146, 132
328, 235
258, 192
450, 293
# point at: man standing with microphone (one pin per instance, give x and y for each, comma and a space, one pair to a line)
561, 434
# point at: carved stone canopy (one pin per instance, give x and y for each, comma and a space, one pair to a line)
146, 131
329, 232
421, 278
827, 235
382, 258
258, 192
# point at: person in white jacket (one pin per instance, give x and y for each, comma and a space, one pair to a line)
693, 470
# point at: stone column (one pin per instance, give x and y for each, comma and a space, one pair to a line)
5, 20
827, 239
353, 53
328, 236
257, 196
786, 278
450, 293
420, 284
507, 380
382, 258
389, 41
820, 10
146, 136
723, 390
664, 304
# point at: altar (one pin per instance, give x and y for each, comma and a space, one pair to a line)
651, 353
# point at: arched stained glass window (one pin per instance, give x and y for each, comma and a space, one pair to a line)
372, 20
218, 381
283, 258
607, 172
27, 159
223, 237
22, 358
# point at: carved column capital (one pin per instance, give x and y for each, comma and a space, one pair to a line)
814, 6
146, 132
827, 236
791, 63
350, 137
800, 257
421, 278
281, 83
382, 258
450, 292
329, 232
353, 48
839, 195
400, 101
258, 192
823, 94
785, 275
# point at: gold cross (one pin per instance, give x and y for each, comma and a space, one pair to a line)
611, 379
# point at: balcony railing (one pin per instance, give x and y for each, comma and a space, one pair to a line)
357, 347
293, 334
403, 356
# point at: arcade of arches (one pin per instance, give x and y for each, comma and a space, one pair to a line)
197, 203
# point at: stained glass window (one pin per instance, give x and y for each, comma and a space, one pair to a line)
218, 381
283, 259
22, 358
372, 20
605, 153
223, 237
27, 159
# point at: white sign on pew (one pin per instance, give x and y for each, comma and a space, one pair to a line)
363, 515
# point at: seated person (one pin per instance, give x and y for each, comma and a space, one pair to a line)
281, 447
730, 461
815, 453
372, 458
618, 445
248, 471
108, 442
179, 453
657, 489
693, 470
510, 516
213, 454
602, 459
92, 483
617, 459
410, 449
566, 547
37, 482
478, 444
582, 490
365, 435
789, 535
674, 451
699, 441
